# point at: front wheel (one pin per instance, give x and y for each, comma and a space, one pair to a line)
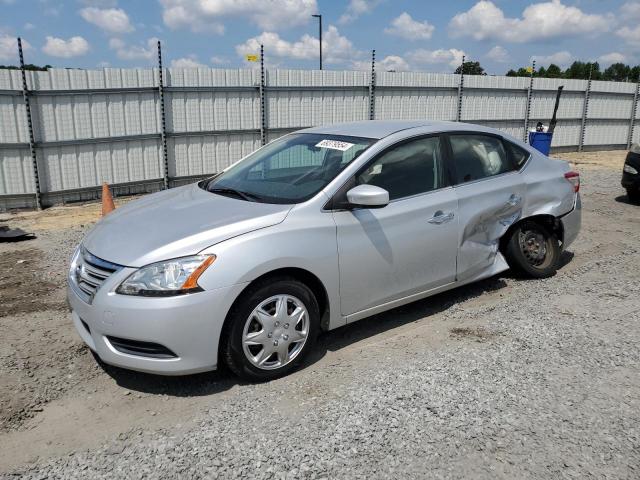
634, 195
270, 329
533, 250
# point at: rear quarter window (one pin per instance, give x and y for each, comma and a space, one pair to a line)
517, 155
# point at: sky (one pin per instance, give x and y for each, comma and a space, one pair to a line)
407, 35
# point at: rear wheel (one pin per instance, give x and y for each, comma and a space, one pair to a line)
270, 329
634, 195
533, 250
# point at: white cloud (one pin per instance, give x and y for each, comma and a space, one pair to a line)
59, 47
613, 57
113, 20
205, 16
390, 63
9, 48
335, 47
562, 59
135, 52
190, 61
630, 11
356, 8
498, 54
99, 3
217, 60
451, 56
393, 62
406, 27
29, 26
631, 35
539, 21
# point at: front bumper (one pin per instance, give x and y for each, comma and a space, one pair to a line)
187, 325
571, 223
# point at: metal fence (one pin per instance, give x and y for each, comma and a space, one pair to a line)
63, 132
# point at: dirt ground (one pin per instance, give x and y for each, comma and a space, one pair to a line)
56, 398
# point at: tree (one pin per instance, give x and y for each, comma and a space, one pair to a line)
634, 74
28, 66
554, 71
521, 72
618, 72
470, 68
580, 70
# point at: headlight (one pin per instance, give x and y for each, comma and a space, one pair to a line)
171, 277
630, 169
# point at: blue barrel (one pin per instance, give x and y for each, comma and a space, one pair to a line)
541, 141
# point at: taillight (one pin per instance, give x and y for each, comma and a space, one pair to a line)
574, 179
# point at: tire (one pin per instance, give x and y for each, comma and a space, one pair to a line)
532, 250
255, 314
634, 195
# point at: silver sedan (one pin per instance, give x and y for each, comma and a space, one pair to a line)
315, 230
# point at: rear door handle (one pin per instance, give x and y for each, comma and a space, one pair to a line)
440, 217
514, 200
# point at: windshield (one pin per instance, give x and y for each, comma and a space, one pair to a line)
291, 169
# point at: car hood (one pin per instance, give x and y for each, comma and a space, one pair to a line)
175, 223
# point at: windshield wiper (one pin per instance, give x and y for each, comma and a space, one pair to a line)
238, 193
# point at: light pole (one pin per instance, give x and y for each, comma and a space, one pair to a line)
319, 17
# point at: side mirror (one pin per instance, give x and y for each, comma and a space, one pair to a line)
368, 196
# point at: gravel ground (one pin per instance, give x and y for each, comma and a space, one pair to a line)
505, 378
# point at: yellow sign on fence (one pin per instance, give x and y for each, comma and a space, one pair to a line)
251, 58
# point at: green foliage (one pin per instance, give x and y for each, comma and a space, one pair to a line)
28, 66
618, 72
471, 68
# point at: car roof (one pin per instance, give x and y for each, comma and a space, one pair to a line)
382, 128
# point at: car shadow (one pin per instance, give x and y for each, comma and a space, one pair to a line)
397, 317
210, 383
195, 385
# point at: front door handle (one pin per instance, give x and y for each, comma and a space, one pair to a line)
440, 217
514, 200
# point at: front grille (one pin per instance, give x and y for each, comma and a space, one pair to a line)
90, 272
141, 349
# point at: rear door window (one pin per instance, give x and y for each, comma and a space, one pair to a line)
478, 156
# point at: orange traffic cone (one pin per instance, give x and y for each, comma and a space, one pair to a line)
107, 200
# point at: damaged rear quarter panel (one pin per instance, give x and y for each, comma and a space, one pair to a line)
547, 191
488, 207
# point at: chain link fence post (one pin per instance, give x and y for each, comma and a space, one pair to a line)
585, 111
163, 122
372, 87
263, 113
527, 112
634, 111
32, 140
460, 91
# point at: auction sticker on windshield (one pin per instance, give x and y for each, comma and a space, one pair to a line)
335, 145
